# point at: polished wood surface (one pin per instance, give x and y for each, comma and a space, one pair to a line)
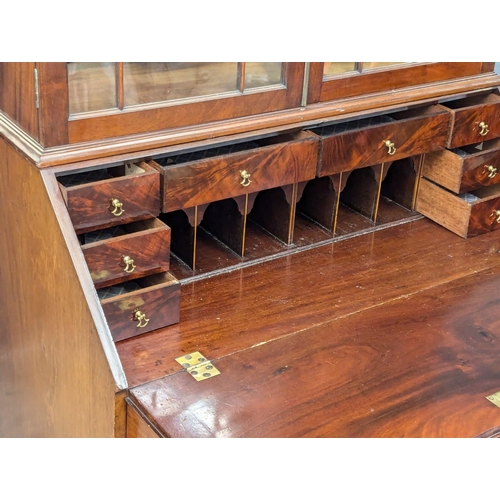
418, 366
411, 136
147, 243
235, 311
466, 169
468, 114
44, 390
17, 95
54, 104
88, 204
137, 426
282, 162
407, 347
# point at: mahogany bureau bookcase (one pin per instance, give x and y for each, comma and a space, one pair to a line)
133, 195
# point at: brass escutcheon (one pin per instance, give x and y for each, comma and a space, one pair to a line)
390, 147
484, 128
245, 178
492, 171
141, 318
116, 207
496, 213
129, 264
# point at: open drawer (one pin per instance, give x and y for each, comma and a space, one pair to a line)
475, 119
469, 214
466, 168
110, 196
204, 176
141, 306
379, 139
127, 252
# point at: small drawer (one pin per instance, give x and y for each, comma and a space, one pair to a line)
127, 252
467, 215
196, 178
141, 306
110, 196
475, 119
466, 168
380, 139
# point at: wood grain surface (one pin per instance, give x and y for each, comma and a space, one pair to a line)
419, 366
234, 311
55, 376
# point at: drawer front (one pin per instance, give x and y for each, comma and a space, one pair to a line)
232, 175
362, 148
143, 311
476, 124
90, 206
484, 217
129, 257
461, 174
453, 212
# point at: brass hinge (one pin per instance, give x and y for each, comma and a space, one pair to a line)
199, 367
37, 97
494, 398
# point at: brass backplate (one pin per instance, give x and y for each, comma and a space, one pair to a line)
494, 398
199, 367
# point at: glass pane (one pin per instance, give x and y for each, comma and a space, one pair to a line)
91, 86
165, 81
371, 65
260, 74
336, 68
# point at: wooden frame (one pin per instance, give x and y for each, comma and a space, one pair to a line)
386, 79
151, 118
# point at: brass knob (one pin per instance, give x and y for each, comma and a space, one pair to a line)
140, 317
390, 147
245, 176
116, 207
496, 213
492, 171
129, 264
484, 129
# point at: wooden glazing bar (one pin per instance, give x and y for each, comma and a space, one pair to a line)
241, 77
119, 85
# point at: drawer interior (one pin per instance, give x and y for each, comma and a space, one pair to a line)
100, 174
483, 193
200, 154
472, 101
135, 286
122, 230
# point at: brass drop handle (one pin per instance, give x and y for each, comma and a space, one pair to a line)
390, 147
245, 176
484, 129
129, 264
116, 207
496, 213
492, 171
140, 317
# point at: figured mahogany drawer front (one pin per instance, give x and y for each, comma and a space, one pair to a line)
464, 169
467, 215
117, 197
255, 166
127, 252
141, 306
475, 119
371, 141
